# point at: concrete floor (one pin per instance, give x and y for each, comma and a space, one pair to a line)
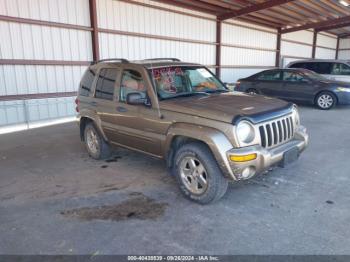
46, 172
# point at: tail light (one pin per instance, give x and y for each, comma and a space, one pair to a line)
77, 102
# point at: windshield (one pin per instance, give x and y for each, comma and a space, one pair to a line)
313, 75
171, 82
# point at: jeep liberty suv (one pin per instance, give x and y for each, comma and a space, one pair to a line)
182, 113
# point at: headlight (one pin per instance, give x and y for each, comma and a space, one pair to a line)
296, 116
343, 89
245, 132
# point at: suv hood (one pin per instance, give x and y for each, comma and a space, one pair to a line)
224, 107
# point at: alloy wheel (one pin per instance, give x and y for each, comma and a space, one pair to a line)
325, 101
92, 141
193, 175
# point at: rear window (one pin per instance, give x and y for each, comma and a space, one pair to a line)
269, 76
324, 68
86, 82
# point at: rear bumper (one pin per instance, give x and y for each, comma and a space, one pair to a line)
265, 158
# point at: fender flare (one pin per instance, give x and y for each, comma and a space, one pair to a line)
95, 120
217, 142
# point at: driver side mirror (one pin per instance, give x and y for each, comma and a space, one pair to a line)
136, 98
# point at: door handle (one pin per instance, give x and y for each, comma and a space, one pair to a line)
121, 109
93, 103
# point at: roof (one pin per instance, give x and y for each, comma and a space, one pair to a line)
287, 15
319, 60
148, 63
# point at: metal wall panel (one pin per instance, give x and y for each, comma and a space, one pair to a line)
61, 11
238, 35
344, 54
323, 53
35, 110
344, 43
22, 41
231, 75
293, 49
127, 17
301, 36
327, 41
132, 47
29, 79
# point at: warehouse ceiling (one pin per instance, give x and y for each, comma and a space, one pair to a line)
331, 16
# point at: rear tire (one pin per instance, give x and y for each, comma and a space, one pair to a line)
252, 91
325, 100
95, 144
198, 174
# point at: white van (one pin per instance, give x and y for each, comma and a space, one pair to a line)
332, 69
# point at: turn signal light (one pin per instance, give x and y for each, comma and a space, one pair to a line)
243, 158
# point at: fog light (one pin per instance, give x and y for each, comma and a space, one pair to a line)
243, 158
248, 172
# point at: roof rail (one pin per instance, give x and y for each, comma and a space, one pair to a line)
121, 60
163, 59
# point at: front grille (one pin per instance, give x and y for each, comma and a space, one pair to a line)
277, 131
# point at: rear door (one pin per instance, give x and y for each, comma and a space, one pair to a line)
268, 83
105, 100
296, 86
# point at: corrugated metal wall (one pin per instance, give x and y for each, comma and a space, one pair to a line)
36, 42
129, 29
344, 49
298, 45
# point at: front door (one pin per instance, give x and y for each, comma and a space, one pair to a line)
269, 83
296, 87
139, 126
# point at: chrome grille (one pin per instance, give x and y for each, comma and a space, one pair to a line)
277, 131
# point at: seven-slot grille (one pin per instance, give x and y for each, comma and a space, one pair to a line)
276, 132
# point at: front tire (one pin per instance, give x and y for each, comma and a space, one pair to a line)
325, 100
198, 174
95, 144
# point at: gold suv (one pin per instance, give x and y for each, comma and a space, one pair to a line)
182, 113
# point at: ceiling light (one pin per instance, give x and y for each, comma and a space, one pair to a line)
344, 3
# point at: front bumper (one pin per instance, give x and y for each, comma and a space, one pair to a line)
343, 98
265, 158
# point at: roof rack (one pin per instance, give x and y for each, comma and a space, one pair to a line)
121, 60
163, 59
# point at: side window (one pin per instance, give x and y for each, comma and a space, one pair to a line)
105, 83
132, 82
340, 69
298, 65
311, 66
270, 76
323, 68
293, 77
86, 82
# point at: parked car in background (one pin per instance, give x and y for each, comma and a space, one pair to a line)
300, 85
332, 69
182, 113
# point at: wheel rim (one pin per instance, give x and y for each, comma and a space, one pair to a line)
193, 175
252, 92
325, 101
92, 141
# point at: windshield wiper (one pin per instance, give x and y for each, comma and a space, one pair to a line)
218, 91
186, 94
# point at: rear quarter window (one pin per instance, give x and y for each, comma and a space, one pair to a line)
86, 82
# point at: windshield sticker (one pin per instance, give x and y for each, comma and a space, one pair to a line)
166, 78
